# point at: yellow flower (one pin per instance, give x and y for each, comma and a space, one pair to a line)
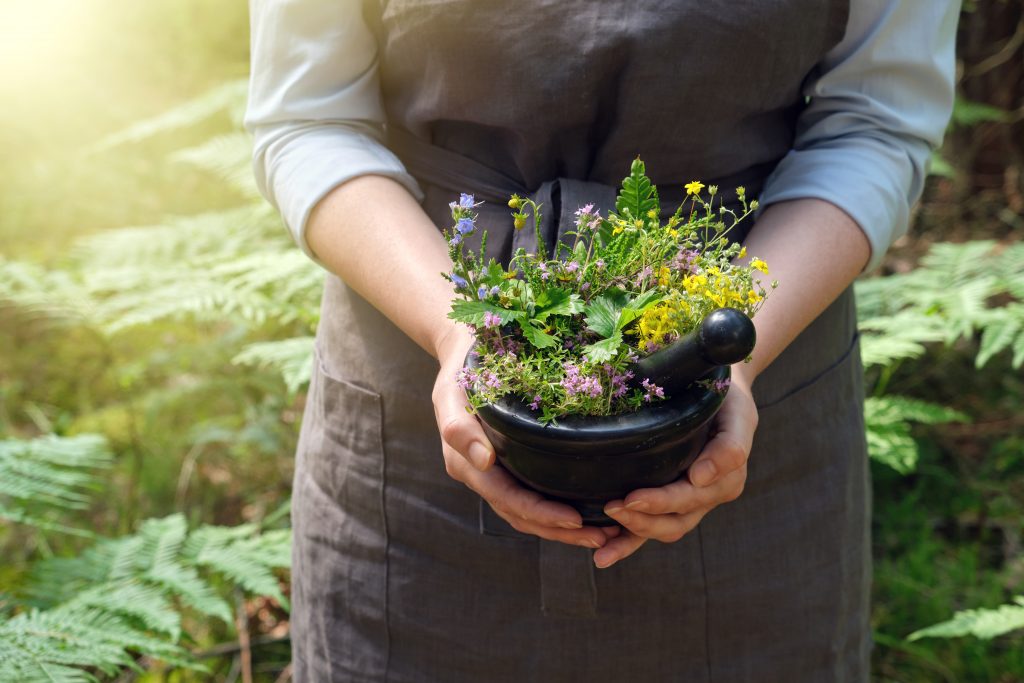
674, 233
743, 252
664, 274
519, 221
694, 187
652, 214
753, 297
758, 264
639, 223
617, 229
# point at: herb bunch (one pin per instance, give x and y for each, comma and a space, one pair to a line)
561, 332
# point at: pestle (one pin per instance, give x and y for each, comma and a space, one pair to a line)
725, 336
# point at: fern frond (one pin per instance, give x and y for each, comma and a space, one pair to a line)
292, 358
132, 599
244, 557
888, 419
980, 623
229, 97
57, 644
227, 156
49, 474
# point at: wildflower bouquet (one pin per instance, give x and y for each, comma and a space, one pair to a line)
562, 332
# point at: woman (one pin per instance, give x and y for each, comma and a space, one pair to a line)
416, 559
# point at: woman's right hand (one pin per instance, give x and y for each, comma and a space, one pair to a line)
469, 458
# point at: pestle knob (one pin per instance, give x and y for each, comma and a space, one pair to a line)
725, 336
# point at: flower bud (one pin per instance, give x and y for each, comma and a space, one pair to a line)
519, 221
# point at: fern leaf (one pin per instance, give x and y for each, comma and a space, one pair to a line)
227, 156
242, 556
887, 420
228, 97
292, 358
49, 474
638, 195
980, 623
132, 599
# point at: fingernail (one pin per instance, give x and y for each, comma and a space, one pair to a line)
703, 473
638, 505
612, 511
590, 543
570, 525
603, 564
479, 455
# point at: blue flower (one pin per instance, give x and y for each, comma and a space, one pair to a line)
466, 201
482, 292
456, 238
458, 281
465, 226
495, 290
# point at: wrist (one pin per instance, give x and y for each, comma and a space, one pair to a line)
452, 338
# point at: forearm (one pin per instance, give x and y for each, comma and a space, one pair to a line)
815, 250
372, 234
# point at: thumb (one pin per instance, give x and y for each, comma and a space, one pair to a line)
459, 429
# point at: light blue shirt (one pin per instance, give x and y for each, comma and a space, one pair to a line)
876, 111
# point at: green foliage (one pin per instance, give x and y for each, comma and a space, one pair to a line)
638, 195
49, 475
981, 623
888, 421
127, 595
958, 291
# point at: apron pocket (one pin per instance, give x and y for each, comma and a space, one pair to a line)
340, 568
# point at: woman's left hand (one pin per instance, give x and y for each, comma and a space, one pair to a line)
718, 475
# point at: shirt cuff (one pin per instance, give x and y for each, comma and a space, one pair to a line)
864, 176
304, 165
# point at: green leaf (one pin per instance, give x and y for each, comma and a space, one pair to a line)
997, 335
604, 350
472, 312
603, 312
888, 428
539, 338
557, 302
981, 623
638, 195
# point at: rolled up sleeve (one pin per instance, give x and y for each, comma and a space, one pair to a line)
314, 105
877, 109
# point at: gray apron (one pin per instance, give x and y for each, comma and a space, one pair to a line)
402, 574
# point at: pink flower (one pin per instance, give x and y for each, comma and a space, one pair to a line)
491, 319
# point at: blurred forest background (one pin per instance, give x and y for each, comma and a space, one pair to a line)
155, 337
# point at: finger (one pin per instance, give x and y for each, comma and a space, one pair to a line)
664, 528
622, 546
459, 429
682, 497
509, 497
729, 449
587, 537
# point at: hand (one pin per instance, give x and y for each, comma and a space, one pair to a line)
469, 458
718, 475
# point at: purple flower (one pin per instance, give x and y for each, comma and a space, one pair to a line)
599, 263
455, 240
721, 385
466, 201
482, 292
652, 389
535, 404
465, 225
572, 267
585, 210
458, 281
491, 319
495, 290
465, 378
